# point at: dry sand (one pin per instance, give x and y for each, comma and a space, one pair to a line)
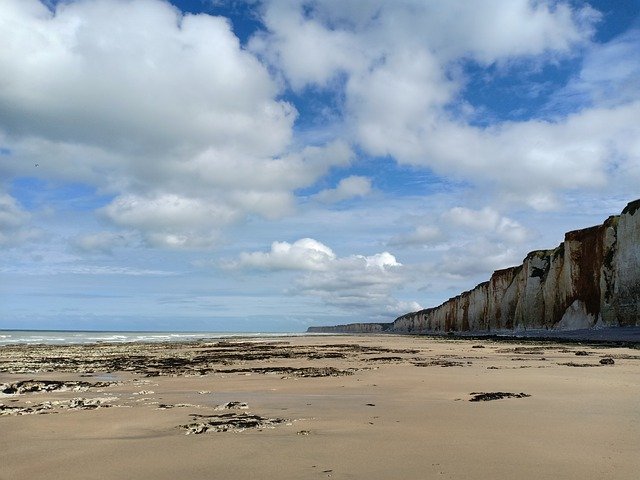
370, 407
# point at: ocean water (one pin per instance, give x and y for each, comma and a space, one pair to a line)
62, 337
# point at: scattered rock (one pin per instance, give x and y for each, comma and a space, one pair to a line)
34, 386
234, 422
303, 432
607, 361
573, 364
144, 392
385, 359
232, 406
581, 353
441, 363
488, 396
89, 403
49, 407
41, 408
292, 371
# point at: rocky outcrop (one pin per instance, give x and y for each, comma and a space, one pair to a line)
590, 279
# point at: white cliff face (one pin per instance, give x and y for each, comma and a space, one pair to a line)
575, 317
627, 266
592, 278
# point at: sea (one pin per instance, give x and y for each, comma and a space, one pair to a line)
63, 337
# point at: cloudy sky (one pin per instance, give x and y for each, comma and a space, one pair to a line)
268, 165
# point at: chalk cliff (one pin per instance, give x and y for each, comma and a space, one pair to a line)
590, 279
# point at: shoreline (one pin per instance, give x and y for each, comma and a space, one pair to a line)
611, 336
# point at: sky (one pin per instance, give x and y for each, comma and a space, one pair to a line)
270, 165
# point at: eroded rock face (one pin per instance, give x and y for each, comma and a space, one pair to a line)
590, 279
626, 264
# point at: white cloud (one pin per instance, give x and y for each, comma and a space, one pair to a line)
356, 282
610, 74
478, 257
292, 36
490, 221
134, 75
304, 254
485, 219
164, 112
15, 222
398, 62
170, 220
101, 242
350, 187
422, 235
354, 36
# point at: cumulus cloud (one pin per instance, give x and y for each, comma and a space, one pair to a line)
304, 254
610, 74
398, 64
15, 227
487, 220
170, 220
348, 36
422, 235
480, 256
355, 282
350, 187
163, 111
134, 75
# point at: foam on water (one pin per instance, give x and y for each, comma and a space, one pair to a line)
9, 337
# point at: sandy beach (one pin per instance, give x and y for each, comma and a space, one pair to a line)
345, 407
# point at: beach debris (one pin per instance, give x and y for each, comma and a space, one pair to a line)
232, 406
167, 406
41, 408
34, 386
292, 371
573, 364
607, 361
144, 392
440, 362
581, 353
230, 422
81, 403
488, 396
524, 350
385, 359
303, 432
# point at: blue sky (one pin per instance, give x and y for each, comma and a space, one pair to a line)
272, 165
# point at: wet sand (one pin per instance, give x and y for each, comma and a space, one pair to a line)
345, 407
